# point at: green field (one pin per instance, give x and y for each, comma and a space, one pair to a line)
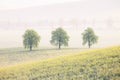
66, 64
12, 56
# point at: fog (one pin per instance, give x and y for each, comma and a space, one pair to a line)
13, 37
73, 17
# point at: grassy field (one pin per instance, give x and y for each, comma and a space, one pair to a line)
99, 64
12, 56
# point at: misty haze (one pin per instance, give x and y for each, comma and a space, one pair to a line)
74, 17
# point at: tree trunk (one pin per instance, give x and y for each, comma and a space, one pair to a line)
89, 44
30, 47
59, 45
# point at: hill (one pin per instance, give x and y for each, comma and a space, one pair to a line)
99, 64
13, 56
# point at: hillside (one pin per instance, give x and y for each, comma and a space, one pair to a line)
13, 56
99, 64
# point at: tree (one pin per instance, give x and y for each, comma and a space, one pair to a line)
89, 37
59, 38
31, 39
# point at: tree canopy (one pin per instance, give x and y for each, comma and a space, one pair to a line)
59, 38
89, 37
31, 39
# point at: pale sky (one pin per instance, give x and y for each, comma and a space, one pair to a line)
102, 15
15, 4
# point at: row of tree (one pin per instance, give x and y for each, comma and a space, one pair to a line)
59, 38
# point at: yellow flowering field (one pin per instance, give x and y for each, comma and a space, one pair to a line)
98, 64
